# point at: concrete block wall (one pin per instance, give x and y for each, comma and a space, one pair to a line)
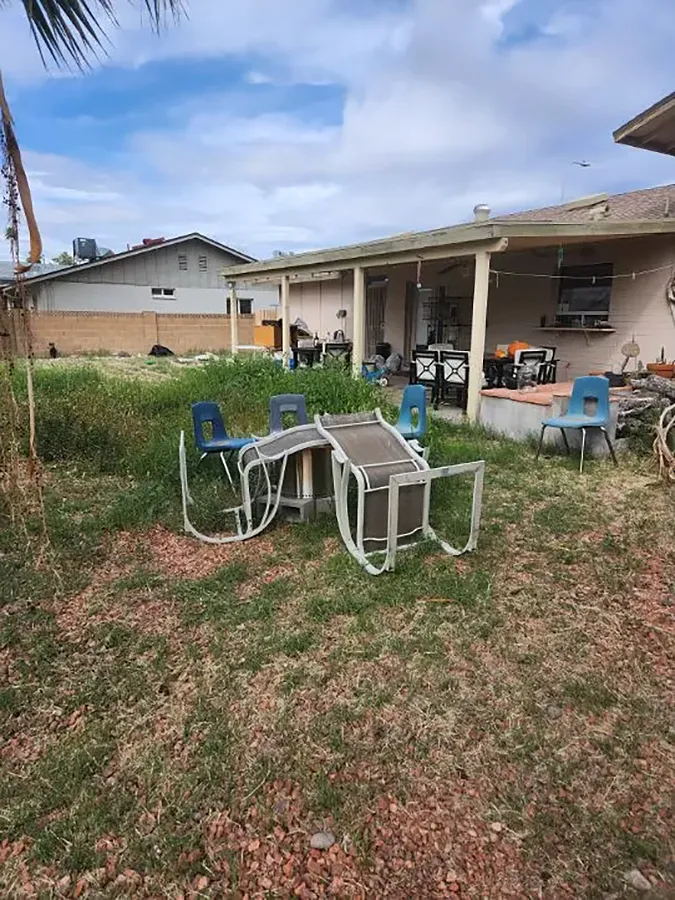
89, 332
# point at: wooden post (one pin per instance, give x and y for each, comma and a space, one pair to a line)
359, 314
286, 320
234, 319
481, 287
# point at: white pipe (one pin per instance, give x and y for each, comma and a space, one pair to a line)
285, 317
481, 287
359, 315
234, 319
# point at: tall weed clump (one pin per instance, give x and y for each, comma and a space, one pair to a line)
123, 426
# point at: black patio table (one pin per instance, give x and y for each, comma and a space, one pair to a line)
493, 366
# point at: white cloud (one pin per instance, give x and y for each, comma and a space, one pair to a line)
441, 111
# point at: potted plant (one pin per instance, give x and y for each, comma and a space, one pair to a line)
661, 367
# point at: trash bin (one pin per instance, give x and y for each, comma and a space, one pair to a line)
383, 349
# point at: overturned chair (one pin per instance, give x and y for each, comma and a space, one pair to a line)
392, 477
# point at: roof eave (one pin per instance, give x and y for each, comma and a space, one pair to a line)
657, 116
471, 236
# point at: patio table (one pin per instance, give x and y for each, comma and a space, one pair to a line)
493, 366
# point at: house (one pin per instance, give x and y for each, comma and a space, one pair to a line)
7, 271
653, 129
586, 277
166, 291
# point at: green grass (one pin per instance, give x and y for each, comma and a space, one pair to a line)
283, 688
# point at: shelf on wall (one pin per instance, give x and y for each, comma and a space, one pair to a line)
576, 328
561, 329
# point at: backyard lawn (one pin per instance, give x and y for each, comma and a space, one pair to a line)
183, 720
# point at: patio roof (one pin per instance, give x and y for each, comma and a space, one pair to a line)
594, 218
652, 129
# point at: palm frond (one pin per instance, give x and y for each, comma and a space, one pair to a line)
70, 31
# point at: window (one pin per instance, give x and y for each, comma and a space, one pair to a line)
162, 293
203, 263
245, 306
182, 262
585, 292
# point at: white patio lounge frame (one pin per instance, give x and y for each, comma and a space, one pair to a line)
306, 440
408, 465
421, 474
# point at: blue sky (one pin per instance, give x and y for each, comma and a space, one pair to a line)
317, 122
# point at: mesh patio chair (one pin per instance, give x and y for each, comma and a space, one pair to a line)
337, 352
453, 375
548, 371
424, 370
535, 357
393, 489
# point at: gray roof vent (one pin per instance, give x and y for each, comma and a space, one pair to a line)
481, 212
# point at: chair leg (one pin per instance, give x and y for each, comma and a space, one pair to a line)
541, 441
227, 469
565, 441
583, 448
609, 444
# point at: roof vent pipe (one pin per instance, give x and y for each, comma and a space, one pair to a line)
481, 212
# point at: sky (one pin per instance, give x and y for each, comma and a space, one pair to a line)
314, 123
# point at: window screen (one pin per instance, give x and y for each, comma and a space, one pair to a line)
585, 289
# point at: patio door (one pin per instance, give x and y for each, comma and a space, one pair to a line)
376, 304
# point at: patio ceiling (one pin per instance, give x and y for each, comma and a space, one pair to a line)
653, 129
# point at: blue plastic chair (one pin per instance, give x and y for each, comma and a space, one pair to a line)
414, 398
287, 403
220, 442
590, 388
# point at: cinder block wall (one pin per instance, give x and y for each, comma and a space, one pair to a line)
89, 332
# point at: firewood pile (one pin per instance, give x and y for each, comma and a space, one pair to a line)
650, 411
639, 411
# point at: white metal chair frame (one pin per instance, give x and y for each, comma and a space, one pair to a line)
421, 473
273, 496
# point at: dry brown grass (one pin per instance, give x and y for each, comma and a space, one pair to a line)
512, 738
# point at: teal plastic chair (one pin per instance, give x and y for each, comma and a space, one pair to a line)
414, 398
207, 414
287, 403
589, 389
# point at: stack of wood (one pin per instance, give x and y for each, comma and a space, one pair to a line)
640, 411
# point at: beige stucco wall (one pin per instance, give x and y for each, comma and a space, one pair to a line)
637, 307
517, 302
317, 303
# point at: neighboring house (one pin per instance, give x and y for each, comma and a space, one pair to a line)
169, 292
180, 275
7, 271
605, 260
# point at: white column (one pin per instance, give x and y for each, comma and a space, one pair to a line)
359, 314
481, 286
234, 319
286, 319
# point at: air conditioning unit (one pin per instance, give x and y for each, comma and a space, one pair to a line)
85, 249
